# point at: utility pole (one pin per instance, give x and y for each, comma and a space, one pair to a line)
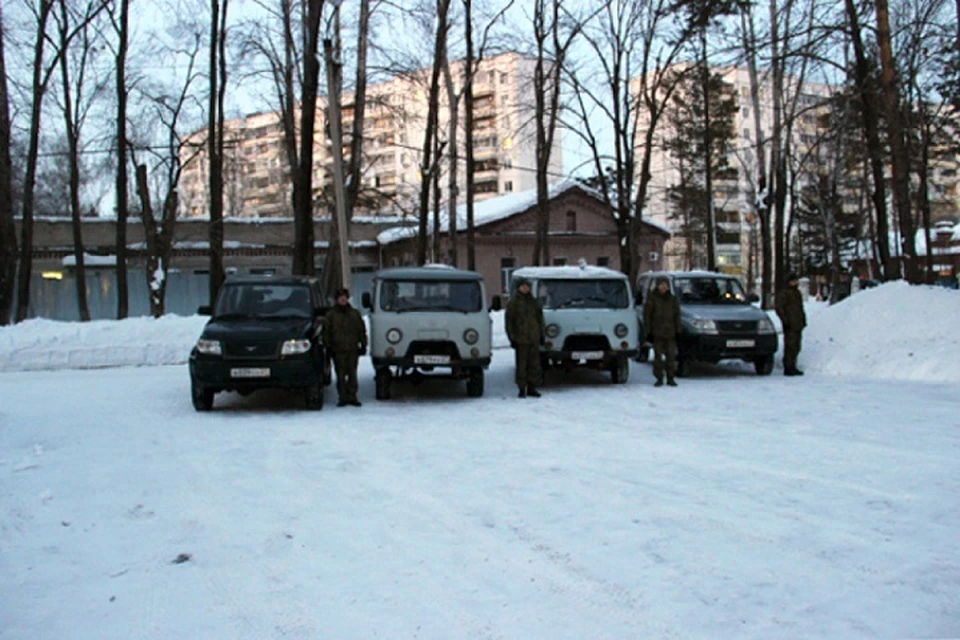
332, 56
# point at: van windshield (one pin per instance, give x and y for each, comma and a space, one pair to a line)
264, 301
431, 295
603, 293
706, 290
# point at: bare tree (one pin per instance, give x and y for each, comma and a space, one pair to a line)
166, 107
121, 26
428, 161
215, 142
41, 77
303, 177
8, 236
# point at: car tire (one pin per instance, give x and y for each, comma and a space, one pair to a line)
620, 370
201, 396
643, 353
327, 371
382, 379
475, 383
313, 395
763, 365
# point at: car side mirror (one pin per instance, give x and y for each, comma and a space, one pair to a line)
365, 300
205, 310
752, 297
496, 304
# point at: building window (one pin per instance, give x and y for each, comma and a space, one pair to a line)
508, 186
507, 266
603, 261
504, 77
507, 163
746, 134
560, 262
571, 224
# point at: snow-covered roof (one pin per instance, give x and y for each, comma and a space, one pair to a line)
495, 209
567, 273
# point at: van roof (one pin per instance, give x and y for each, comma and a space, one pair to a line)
444, 273
567, 273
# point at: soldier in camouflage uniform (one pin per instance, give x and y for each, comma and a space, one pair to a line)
524, 323
661, 321
790, 311
345, 335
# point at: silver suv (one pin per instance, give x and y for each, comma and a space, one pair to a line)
718, 321
425, 319
588, 316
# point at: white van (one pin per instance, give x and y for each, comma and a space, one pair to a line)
429, 320
588, 316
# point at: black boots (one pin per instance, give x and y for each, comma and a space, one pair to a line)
528, 391
792, 371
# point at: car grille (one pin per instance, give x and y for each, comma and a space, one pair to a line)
433, 348
737, 326
586, 343
251, 350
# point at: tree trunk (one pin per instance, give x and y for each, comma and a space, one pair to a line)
898, 152
453, 107
30, 179
469, 162
303, 262
8, 235
215, 151
871, 127
122, 180
72, 134
428, 163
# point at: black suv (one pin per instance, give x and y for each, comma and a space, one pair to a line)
265, 332
718, 321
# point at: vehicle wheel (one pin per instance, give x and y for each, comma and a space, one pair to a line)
475, 383
643, 353
201, 396
683, 367
764, 365
314, 396
382, 378
327, 371
620, 370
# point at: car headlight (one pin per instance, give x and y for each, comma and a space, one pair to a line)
703, 325
621, 330
552, 330
210, 347
294, 347
470, 336
394, 336
765, 326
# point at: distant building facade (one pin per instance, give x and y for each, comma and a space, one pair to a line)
257, 180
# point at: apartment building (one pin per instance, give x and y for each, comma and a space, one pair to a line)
256, 170
734, 192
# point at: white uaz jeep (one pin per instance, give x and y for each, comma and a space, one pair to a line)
588, 317
425, 319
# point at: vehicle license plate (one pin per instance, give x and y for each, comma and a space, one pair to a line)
740, 344
587, 355
431, 359
250, 372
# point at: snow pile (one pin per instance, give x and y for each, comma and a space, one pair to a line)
42, 344
895, 331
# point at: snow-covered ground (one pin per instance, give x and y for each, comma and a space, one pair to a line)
734, 506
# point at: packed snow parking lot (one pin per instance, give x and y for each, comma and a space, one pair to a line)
734, 506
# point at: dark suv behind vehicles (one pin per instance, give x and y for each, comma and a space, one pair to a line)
265, 332
718, 321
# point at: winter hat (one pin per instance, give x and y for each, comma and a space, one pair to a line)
522, 281
792, 277
662, 279
342, 292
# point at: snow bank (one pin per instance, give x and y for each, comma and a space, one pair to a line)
894, 331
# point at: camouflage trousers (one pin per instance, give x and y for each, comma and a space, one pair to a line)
664, 349
345, 363
791, 348
528, 373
